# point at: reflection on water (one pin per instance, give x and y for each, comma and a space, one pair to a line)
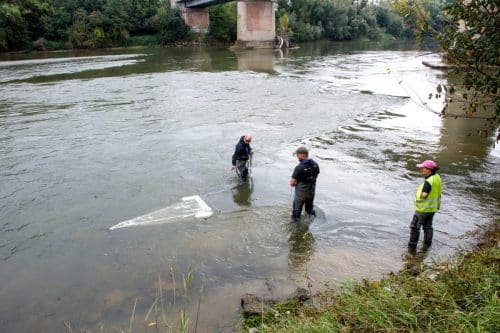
460, 140
92, 64
301, 244
256, 60
413, 259
242, 193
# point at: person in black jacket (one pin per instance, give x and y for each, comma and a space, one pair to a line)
304, 180
242, 155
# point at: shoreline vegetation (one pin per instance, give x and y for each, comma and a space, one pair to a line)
457, 295
45, 25
197, 43
130, 46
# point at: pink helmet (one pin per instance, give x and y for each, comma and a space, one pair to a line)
428, 164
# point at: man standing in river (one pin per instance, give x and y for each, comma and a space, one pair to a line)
304, 180
242, 155
427, 202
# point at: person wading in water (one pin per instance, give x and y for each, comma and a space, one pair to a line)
242, 155
304, 180
427, 202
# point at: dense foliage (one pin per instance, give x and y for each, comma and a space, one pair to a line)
468, 34
425, 17
51, 24
46, 24
340, 20
223, 22
472, 42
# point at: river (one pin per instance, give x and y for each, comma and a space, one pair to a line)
90, 139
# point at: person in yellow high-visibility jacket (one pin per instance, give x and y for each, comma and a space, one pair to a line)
427, 203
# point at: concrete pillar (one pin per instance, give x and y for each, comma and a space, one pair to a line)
255, 23
196, 18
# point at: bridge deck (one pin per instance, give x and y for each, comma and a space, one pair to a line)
202, 3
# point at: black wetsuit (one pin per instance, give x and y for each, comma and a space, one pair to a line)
305, 173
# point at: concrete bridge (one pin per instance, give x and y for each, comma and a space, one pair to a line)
255, 22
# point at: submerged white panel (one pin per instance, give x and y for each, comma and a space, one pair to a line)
189, 206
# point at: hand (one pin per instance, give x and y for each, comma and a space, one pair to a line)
232, 167
293, 182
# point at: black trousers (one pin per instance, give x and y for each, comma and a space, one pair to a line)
242, 168
421, 220
303, 198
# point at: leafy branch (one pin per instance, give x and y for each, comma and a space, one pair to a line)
468, 35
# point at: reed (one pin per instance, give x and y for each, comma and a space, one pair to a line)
180, 322
162, 315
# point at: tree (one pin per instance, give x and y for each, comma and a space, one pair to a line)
57, 24
415, 15
284, 24
140, 14
34, 12
389, 20
79, 30
467, 31
177, 28
13, 28
472, 42
161, 21
223, 22
115, 21
170, 25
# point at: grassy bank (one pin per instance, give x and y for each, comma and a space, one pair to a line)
459, 295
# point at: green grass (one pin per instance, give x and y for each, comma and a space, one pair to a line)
460, 295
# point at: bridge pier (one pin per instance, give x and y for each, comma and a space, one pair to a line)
255, 24
196, 18
255, 21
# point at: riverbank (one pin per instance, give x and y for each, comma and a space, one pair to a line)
459, 295
140, 41
194, 40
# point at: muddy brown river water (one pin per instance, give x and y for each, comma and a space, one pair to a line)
90, 139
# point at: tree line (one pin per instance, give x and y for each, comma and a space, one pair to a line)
308, 20
58, 24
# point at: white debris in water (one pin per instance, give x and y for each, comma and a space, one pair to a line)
203, 210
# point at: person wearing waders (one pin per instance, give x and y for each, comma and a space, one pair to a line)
304, 180
241, 156
427, 202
